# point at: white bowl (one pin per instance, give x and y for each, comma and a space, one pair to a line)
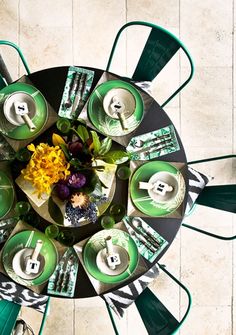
9, 109
19, 263
122, 95
168, 178
102, 265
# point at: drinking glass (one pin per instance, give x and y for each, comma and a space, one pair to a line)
107, 222
63, 125
52, 231
22, 207
123, 172
117, 211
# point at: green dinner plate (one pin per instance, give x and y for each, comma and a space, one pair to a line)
6, 194
141, 198
23, 132
103, 122
97, 242
17, 243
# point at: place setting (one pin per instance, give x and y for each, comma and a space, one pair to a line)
116, 108
29, 257
110, 257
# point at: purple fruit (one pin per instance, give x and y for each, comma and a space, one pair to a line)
76, 180
75, 148
63, 191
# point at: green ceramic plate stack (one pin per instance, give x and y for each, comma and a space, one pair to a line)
141, 198
22, 132
97, 243
103, 122
29, 238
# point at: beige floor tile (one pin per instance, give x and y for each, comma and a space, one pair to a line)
92, 320
95, 25
32, 318
53, 14
174, 115
206, 28
206, 320
164, 13
61, 318
206, 268
135, 323
46, 47
9, 31
204, 108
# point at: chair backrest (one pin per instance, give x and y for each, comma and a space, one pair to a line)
156, 317
221, 197
9, 312
160, 47
5, 77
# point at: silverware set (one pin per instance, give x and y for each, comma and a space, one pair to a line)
77, 88
62, 278
140, 232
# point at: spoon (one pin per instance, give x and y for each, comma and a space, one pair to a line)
140, 143
137, 223
143, 240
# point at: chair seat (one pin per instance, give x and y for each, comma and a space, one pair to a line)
8, 316
155, 316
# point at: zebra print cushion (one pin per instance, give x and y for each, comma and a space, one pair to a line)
11, 291
197, 182
122, 298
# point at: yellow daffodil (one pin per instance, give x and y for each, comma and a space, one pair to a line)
46, 167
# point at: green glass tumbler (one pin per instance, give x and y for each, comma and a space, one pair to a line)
52, 231
63, 125
118, 211
22, 207
107, 222
123, 172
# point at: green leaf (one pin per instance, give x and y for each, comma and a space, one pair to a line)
55, 211
83, 133
96, 142
116, 157
81, 121
105, 146
65, 150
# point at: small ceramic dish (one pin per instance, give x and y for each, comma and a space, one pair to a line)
9, 109
102, 264
168, 178
19, 264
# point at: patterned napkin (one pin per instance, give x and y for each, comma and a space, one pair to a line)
141, 236
122, 298
63, 280
154, 144
76, 91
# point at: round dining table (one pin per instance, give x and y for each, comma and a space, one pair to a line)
51, 82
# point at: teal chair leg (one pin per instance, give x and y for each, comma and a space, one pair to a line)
224, 238
112, 319
46, 313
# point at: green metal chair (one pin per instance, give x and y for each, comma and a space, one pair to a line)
5, 77
9, 312
156, 317
222, 197
160, 47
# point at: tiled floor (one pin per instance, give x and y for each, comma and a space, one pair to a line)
67, 32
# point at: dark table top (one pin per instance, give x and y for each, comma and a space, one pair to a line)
51, 83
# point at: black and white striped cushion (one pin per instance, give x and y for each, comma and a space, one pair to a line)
197, 182
122, 298
20, 295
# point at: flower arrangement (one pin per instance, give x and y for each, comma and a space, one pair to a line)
69, 169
